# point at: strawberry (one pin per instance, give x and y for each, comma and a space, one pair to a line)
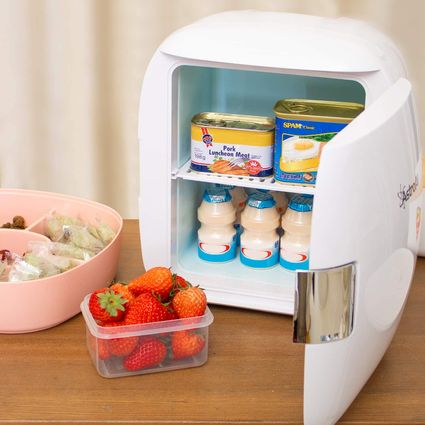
181, 283
120, 346
186, 344
190, 302
145, 309
112, 324
121, 288
149, 353
106, 305
102, 349
99, 347
172, 315
158, 280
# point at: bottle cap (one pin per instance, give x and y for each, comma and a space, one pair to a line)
261, 200
217, 195
301, 203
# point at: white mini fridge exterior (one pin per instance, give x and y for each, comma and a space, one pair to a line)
366, 216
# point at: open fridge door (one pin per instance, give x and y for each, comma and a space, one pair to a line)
421, 251
366, 226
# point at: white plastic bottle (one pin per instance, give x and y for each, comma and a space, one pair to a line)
260, 241
280, 198
281, 201
217, 236
239, 198
295, 242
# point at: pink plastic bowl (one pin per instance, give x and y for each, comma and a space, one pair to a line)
17, 240
40, 304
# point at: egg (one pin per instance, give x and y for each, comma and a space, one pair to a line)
296, 149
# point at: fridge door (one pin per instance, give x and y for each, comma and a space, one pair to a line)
367, 218
155, 126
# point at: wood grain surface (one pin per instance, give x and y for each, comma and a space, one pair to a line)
253, 375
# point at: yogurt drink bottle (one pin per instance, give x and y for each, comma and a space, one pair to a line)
295, 242
260, 241
281, 201
280, 198
217, 236
239, 198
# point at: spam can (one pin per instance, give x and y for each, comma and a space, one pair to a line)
303, 127
239, 145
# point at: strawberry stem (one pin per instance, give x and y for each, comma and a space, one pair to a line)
111, 302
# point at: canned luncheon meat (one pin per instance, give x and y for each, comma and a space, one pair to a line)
302, 129
240, 145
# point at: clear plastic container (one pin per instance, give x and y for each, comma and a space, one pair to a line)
168, 333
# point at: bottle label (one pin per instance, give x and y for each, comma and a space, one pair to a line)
294, 260
217, 252
260, 258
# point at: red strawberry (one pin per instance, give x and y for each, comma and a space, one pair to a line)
186, 344
158, 280
106, 305
112, 325
145, 309
172, 315
181, 283
190, 302
123, 289
149, 353
122, 346
100, 347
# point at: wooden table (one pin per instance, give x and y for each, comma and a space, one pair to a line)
254, 373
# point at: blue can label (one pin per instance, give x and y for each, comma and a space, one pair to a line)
217, 253
298, 145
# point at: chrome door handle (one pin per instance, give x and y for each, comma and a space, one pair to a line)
324, 304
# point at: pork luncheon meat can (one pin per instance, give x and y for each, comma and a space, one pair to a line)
231, 144
303, 127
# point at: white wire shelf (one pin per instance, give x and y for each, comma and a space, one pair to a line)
268, 183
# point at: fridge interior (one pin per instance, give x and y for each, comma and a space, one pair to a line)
244, 284
200, 89
235, 91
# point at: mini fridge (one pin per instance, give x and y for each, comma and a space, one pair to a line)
366, 216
